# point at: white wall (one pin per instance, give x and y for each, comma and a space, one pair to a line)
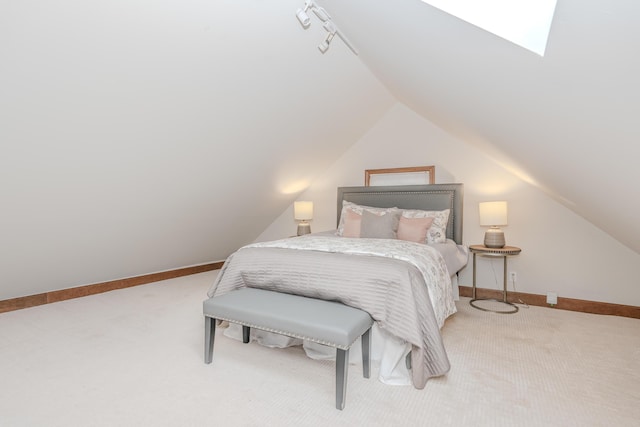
561, 252
143, 136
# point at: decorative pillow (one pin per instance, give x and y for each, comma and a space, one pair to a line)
414, 229
383, 226
352, 223
357, 209
437, 233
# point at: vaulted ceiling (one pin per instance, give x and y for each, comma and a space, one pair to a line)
139, 136
566, 122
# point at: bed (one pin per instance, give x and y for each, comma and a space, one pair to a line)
408, 288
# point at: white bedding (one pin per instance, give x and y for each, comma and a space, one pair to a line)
420, 256
388, 352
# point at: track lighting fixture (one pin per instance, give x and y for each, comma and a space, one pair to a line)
331, 32
303, 16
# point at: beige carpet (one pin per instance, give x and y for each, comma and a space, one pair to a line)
134, 358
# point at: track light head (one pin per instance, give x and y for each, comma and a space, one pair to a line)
304, 19
324, 46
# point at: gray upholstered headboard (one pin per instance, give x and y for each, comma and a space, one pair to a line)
432, 197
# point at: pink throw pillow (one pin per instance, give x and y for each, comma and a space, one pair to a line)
352, 223
414, 229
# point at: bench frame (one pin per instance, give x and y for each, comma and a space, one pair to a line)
342, 355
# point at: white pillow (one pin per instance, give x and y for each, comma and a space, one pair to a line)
437, 233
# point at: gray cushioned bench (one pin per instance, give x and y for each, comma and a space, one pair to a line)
324, 322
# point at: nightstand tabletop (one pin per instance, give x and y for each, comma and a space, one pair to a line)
507, 250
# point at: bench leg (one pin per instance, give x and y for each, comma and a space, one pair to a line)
209, 335
342, 367
366, 353
246, 333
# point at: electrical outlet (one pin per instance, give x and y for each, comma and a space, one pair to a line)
514, 276
552, 298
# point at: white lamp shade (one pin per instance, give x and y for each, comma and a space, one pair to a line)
303, 211
493, 213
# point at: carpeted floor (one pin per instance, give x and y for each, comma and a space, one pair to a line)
133, 357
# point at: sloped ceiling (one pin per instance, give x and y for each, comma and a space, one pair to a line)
566, 122
143, 136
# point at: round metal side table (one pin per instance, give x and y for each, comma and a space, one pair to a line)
504, 252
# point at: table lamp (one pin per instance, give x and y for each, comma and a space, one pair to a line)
303, 212
493, 215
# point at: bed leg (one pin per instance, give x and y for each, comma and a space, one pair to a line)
342, 367
246, 333
366, 353
209, 336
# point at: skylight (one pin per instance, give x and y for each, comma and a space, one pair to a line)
523, 22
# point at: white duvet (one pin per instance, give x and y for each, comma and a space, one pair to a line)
405, 286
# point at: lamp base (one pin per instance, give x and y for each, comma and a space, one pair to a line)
304, 228
494, 238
